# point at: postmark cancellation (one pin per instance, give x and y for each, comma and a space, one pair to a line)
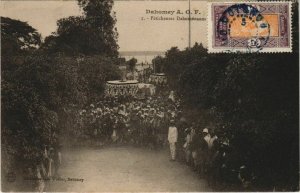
249, 27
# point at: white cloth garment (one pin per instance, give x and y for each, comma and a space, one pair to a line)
114, 136
172, 134
173, 150
207, 138
211, 141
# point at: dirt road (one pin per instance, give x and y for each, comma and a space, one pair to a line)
115, 169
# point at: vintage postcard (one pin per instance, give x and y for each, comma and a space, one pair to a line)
149, 96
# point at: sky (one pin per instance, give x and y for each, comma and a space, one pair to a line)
135, 34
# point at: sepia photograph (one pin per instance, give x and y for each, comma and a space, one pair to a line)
149, 96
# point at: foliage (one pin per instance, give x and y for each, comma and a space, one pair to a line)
34, 91
93, 33
66, 39
131, 64
37, 90
158, 63
40, 90
252, 99
96, 70
17, 36
178, 61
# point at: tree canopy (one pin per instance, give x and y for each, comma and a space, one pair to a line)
90, 34
131, 64
158, 64
38, 89
17, 36
249, 98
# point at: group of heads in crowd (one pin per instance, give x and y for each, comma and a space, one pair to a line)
124, 107
132, 119
135, 119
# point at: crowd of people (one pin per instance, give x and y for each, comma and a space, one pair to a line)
157, 122
127, 121
200, 149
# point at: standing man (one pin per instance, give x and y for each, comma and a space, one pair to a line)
172, 138
204, 151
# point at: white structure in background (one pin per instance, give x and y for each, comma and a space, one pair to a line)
121, 88
126, 87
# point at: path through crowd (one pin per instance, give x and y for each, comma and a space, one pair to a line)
126, 169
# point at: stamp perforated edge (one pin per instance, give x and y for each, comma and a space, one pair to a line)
240, 50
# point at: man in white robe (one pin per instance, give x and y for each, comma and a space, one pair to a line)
172, 138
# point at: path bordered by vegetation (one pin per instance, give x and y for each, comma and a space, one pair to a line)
128, 169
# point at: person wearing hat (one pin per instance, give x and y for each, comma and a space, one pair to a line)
172, 138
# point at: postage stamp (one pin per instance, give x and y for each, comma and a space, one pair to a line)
249, 27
